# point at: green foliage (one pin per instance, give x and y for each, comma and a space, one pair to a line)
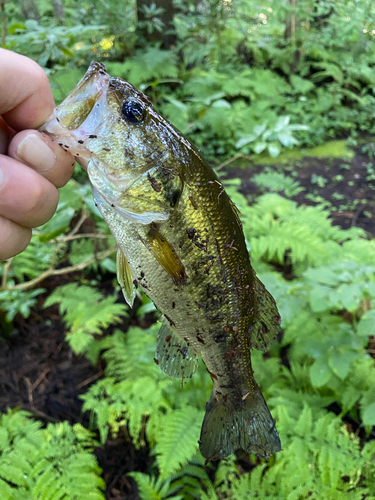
177, 441
280, 231
151, 488
136, 394
147, 68
319, 457
271, 138
54, 244
275, 181
55, 463
57, 44
18, 301
237, 80
87, 312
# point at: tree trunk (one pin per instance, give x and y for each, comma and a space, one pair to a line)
167, 17
293, 22
30, 10
58, 11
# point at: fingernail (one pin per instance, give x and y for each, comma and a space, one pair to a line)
35, 152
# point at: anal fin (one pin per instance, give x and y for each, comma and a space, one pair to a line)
124, 278
173, 355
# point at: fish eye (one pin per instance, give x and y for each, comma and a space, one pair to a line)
132, 111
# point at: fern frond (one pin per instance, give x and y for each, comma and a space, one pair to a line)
276, 181
152, 488
275, 228
86, 312
178, 440
48, 464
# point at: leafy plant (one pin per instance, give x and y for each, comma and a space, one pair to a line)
277, 182
271, 138
48, 45
87, 313
52, 463
242, 78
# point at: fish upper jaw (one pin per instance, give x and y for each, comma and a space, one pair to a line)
80, 115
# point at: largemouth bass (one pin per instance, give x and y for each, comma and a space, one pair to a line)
180, 238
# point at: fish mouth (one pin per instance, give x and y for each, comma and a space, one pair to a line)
67, 123
81, 101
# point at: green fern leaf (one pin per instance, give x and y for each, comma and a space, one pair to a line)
178, 441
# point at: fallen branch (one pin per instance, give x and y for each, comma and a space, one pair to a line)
57, 272
231, 160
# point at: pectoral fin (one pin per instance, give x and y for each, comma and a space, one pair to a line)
173, 355
124, 277
165, 254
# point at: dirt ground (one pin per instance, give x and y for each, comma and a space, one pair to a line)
348, 186
39, 373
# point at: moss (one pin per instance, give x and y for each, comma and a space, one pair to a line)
331, 149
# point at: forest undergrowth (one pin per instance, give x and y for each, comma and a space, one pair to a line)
241, 84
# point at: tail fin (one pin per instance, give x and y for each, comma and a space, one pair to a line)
227, 429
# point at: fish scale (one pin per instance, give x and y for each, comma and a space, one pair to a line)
181, 240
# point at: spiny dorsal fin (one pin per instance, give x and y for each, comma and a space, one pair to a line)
124, 277
173, 355
267, 323
237, 213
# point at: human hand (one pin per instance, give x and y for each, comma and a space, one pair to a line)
32, 166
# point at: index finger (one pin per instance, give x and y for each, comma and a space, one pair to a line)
26, 99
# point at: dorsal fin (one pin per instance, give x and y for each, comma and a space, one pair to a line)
173, 355
267, 323
124, 277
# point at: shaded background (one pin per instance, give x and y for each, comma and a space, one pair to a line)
279, 96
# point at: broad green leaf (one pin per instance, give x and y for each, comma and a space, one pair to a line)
259, 147
180, 105
350, 295
320, 372
340, 363
57, 225
274, 149
292, 127
221, 103
368, 415
318, 298
322, 275
259, 129
287, 139
366, 325
14, 27
281, 123
245, 140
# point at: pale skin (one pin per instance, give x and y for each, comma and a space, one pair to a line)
32, 166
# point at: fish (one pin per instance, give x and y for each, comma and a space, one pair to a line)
180, 239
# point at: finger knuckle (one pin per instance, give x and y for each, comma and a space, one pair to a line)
41, 204
14, 238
